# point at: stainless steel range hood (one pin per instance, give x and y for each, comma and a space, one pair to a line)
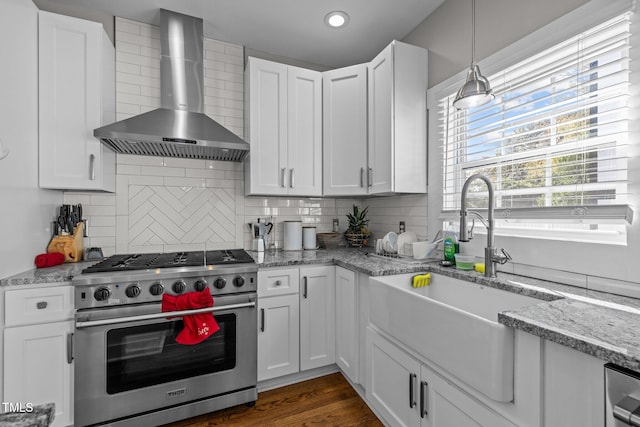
180, 128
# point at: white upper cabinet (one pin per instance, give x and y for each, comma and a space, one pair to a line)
375, 124
76, 95
345, 131
397, 99
284, 128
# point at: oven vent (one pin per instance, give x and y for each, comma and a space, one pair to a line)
175, 149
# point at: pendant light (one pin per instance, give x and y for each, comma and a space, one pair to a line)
476, 89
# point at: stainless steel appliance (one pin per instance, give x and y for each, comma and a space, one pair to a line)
179, 128
129, 370
622, 397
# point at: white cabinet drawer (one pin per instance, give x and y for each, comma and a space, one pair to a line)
41, 305
274, 282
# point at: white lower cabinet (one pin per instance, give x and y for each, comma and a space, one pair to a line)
347, 322
38, 365
406, 392
296, 329
317, 317
278, 336
573, 387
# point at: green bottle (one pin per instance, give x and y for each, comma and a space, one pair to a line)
451, 245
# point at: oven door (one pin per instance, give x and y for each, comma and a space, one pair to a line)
128, 362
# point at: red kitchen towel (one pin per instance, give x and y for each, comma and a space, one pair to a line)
49, 260
197, 327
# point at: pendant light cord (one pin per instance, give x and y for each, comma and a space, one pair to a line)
473, 32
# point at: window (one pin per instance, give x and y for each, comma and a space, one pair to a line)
553, 142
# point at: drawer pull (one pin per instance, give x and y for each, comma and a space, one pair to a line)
278, 283
41, 305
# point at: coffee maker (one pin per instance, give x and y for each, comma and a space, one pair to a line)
259, 230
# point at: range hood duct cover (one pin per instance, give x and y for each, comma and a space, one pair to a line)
180, 128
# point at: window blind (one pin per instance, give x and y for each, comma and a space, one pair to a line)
556, 136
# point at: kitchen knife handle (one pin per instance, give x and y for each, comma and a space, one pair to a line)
412, 379
283, 171
370, 177
424, 394
305, 293
362, 177
92, 168
262, 320
69, 348
292, 178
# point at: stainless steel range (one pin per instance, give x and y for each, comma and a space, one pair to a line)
129, 369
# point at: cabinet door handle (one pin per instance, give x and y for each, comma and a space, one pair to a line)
92, 167
370, 177
262, 320
412, 380
41, 305
424, 395
278, 283
69, 348
283, 171
304, 293
292, 178
361, 177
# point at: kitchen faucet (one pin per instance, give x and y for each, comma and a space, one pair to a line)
491, 255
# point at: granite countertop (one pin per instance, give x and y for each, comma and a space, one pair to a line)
39, 416
603, 325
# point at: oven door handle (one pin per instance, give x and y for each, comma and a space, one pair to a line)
166, 314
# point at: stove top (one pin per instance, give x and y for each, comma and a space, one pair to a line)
132, 262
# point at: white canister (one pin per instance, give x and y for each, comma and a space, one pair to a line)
292, 235
309, 237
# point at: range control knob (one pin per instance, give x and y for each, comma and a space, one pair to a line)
132, 291
102, 294
220, 283
238, 281
156, 289
179, 287
200, 285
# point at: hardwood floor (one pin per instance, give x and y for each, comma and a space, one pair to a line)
327, 400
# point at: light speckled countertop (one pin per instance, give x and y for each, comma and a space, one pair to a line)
603, 325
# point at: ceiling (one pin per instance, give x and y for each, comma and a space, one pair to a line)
291, 28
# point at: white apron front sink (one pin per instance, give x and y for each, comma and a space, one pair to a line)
453, 324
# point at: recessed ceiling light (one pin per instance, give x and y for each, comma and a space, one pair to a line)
336, 19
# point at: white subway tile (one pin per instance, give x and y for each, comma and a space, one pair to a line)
230, 59
103, 200
213, 101
150, 31
212, 47
136, 39
139, 58
99, 231
204, 173
123, 116
618, 287
161, 171
184, 163
184, 182
127, 48
129, 159
213, 65
125, 67
235, 86
153, 53
124, 169
91, 211
124, 108
211, 84
104, 221
234, 50
145, 180
220, 183
127, 88
150, 71
127, 26
73, 198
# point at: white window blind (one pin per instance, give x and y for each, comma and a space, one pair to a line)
554, 142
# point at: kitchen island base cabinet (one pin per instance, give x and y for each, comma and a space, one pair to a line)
408, 393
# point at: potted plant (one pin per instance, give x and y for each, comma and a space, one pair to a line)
357, 233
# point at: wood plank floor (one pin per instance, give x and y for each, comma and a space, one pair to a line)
328, 400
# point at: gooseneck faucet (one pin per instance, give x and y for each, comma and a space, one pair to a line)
491, 255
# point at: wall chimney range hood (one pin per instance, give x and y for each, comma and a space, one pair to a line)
179, 128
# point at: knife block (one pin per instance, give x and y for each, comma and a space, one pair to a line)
71, 246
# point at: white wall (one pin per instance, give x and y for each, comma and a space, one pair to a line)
25, 209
